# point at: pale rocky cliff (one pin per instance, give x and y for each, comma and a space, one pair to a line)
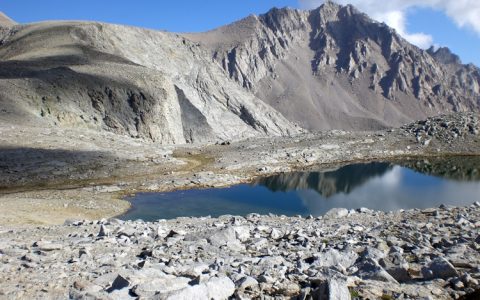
146, 84
334, 67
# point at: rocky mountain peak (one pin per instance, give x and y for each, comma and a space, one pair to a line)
444, 56
335, 67
284, 20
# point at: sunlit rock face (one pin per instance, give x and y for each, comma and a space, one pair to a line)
135, 82
276, 74
334, 67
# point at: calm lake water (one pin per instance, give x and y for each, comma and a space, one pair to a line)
379, 186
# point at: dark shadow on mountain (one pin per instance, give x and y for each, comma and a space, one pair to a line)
28, 167
327, 184
36, 67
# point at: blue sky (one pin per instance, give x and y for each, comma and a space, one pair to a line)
464, 42
201, 15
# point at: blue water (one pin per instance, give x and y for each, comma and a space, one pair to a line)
379, 186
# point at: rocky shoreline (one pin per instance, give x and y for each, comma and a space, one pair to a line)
49, 175
414, 254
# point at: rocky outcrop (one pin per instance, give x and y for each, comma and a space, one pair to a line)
334, 67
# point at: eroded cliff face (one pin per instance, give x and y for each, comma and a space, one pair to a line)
334, 67
146, 84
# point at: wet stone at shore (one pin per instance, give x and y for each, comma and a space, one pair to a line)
414, 254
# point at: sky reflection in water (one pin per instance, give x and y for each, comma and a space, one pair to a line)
380, 186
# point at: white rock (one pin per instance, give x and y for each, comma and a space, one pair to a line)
275, 234
247, 282
47, 246
223, 237
337, 213
334, 257
242, 233
215, 289
338, 290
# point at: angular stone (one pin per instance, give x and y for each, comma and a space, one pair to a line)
439, 268
220, 288
161, 286
396, 266
119, 283
103, 231
242, 233
338, 290
223, 237
247, 282
369, 269
373, 253
275, 234
333, 257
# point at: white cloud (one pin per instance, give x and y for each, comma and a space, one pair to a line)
465, 13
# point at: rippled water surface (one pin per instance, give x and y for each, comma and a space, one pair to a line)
382, 186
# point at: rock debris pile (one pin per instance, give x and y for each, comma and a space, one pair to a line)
446, 128
415, 254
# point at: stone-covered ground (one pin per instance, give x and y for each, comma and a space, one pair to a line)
363, 254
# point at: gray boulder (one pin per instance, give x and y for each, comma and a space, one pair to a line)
369, 269
160, 286
396, 266
333, 257
439, 268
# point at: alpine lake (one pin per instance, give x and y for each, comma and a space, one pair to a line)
386, 186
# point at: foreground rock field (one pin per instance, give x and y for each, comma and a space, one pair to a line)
429, 254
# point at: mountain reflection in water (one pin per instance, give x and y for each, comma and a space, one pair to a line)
327, 184
379, 186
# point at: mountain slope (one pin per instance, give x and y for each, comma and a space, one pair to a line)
334, 67
5, 20
145, 84
328, 68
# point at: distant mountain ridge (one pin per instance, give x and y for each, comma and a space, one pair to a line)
334, 67
269, 75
